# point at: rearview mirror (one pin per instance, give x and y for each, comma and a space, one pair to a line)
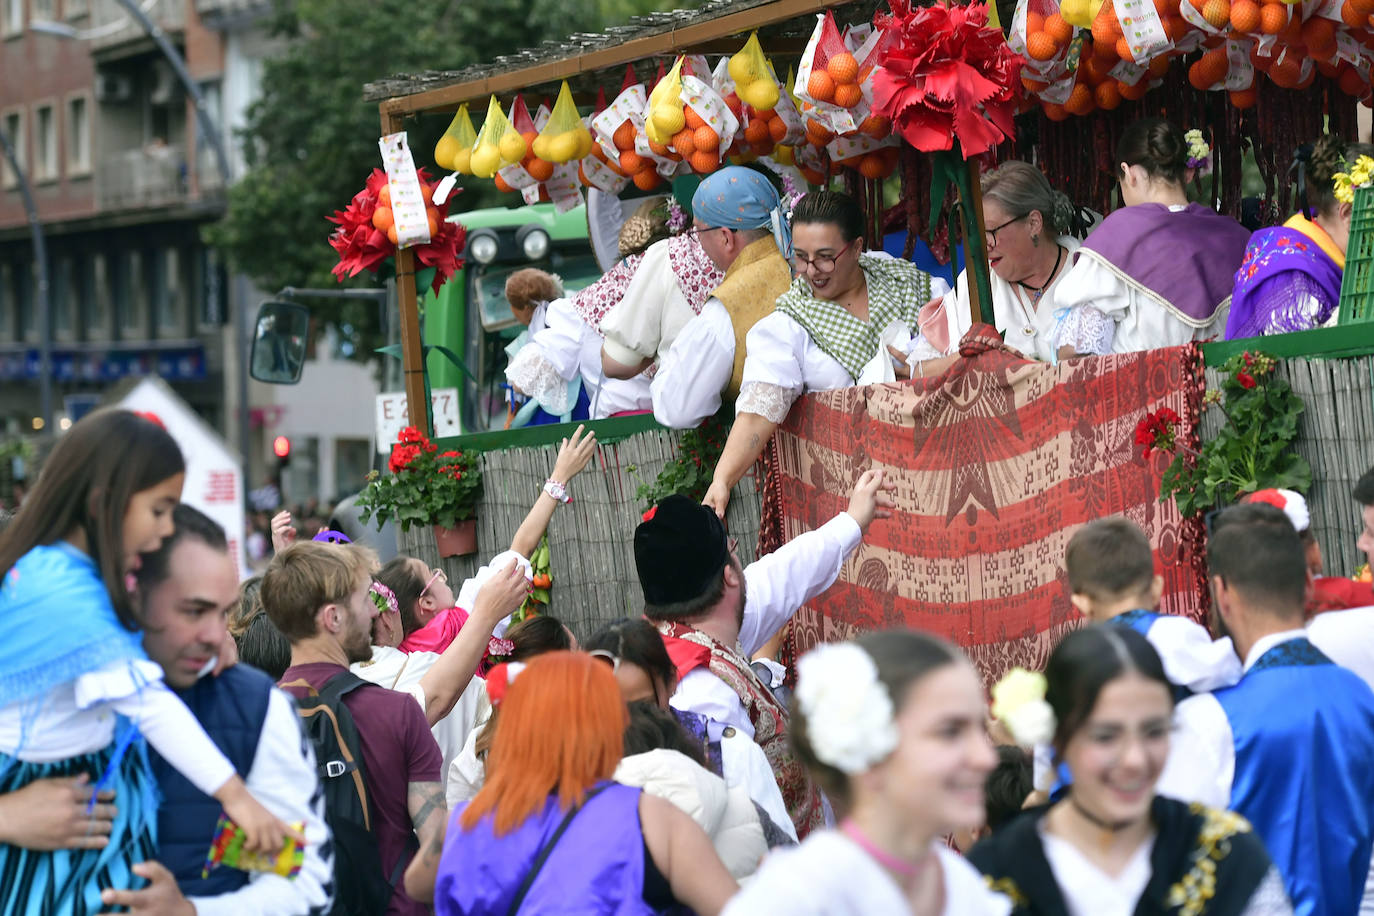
280, 337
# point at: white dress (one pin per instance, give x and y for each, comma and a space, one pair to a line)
567, 348
1141, 323
830, 875
1025, 325
653, 310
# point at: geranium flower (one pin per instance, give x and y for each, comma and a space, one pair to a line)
402, 456
1245, 379
1155, 433
945, 75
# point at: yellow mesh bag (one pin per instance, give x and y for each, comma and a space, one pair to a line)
454, 149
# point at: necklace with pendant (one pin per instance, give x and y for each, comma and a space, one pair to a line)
1038, 291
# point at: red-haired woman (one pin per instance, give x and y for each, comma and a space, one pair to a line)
524, 843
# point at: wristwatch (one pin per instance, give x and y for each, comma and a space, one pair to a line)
557, 490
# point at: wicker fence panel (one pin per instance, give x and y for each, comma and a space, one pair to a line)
1336, 436
591, 539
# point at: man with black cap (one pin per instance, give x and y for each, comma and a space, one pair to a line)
713, 614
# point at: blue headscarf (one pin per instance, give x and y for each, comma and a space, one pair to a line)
738, 198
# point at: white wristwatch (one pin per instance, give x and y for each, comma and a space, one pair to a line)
557, 490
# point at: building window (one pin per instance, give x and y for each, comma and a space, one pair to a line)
61, 291
98, 300
14, 129
78, 136
45, 143
74, 9
13, 24
6, 304
43, 10
172, 298
133, 289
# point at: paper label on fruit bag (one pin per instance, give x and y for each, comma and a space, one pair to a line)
1347, 48
786, 110
600, 176
1144, 30
1016, 39
518, 178
1193, 16
855, 36
1058, 92
407, 203
857, 145
702, 98
629, 105
1327, 9
1128, 72
810, 157
1240, 71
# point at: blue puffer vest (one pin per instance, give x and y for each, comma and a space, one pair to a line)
231, 708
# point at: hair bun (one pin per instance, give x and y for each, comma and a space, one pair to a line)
1326, 159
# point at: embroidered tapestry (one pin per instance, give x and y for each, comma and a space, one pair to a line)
996, 464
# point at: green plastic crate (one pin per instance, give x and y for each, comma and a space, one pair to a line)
1357, 286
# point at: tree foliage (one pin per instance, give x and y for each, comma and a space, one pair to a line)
311, 140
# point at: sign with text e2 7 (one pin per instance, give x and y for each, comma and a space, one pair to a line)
392, 416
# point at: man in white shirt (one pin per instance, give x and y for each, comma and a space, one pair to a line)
1289, 745
186, 590
713, 614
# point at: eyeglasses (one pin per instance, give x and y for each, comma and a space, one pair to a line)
696, 231
821, 263
438, 574
991, 234
606, 656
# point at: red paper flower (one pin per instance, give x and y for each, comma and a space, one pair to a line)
946, 74
649, 513
361, 246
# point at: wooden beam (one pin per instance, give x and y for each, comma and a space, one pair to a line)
412, 346
672, 42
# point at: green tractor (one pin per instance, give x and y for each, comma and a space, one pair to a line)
471, 316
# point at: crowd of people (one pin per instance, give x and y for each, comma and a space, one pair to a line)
411, 750
344, 735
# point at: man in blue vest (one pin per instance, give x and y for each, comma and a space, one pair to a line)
186, 590
1289, 746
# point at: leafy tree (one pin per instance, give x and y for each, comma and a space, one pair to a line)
310, 139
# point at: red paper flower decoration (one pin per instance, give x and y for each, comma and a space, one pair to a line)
945, 74
362, 246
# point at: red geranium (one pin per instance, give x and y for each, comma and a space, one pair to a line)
423, 487
362, 246
1245, 379
1155, 433
944, 75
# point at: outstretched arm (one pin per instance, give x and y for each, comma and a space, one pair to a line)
573, 456
749, 434
429, 815
451, 672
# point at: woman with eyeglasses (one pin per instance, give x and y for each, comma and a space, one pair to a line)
646, 674
1111, 846
851, 317
1029, 252
1158, 271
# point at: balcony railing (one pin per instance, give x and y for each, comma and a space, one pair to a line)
148, 177
169, 14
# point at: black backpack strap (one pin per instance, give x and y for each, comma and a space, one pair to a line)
548, 848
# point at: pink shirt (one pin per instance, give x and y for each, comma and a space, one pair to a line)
438, 634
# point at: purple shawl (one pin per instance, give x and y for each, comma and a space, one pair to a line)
1186, 261
1284, 271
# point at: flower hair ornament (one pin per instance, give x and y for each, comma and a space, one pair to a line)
1018, 702
677, 217
849, 713
1199, 153
1360, 175
384, 598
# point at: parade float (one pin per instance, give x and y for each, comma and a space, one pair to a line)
999, 459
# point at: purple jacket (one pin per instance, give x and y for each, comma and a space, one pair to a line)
597, 867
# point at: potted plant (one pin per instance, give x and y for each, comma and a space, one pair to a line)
427, 487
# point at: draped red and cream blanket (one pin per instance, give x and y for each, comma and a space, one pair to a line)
996, 463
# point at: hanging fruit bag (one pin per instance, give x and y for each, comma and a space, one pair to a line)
454, 149
828, 78
498, 144
565, 138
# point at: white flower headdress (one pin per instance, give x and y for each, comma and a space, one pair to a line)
849, 713
1018, 701
1199, 153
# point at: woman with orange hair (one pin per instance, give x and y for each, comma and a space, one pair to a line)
524, 842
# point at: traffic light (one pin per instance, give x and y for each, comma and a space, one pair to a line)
281, 447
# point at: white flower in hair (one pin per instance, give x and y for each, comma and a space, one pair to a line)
849, 714
1018, 701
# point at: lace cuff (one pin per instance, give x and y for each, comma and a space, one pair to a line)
1087, 330
1269, 898
772, 402
923, 350
530, 372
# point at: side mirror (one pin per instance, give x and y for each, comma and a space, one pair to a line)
280, 336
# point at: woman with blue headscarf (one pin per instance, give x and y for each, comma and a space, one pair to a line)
740, 226
844, 321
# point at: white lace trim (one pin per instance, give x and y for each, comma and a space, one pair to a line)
532, 374
772, 402
1269, 899
1087, 330
922, 350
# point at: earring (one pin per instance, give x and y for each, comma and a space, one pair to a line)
1035, 240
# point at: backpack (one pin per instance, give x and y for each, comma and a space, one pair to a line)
360, 889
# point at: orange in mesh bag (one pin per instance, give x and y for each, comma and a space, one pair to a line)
815, 80
454, 149
565, 137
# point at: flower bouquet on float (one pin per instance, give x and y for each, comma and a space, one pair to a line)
427, 487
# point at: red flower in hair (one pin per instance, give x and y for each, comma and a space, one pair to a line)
150, 417
649, 513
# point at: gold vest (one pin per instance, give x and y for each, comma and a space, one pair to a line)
752, 285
